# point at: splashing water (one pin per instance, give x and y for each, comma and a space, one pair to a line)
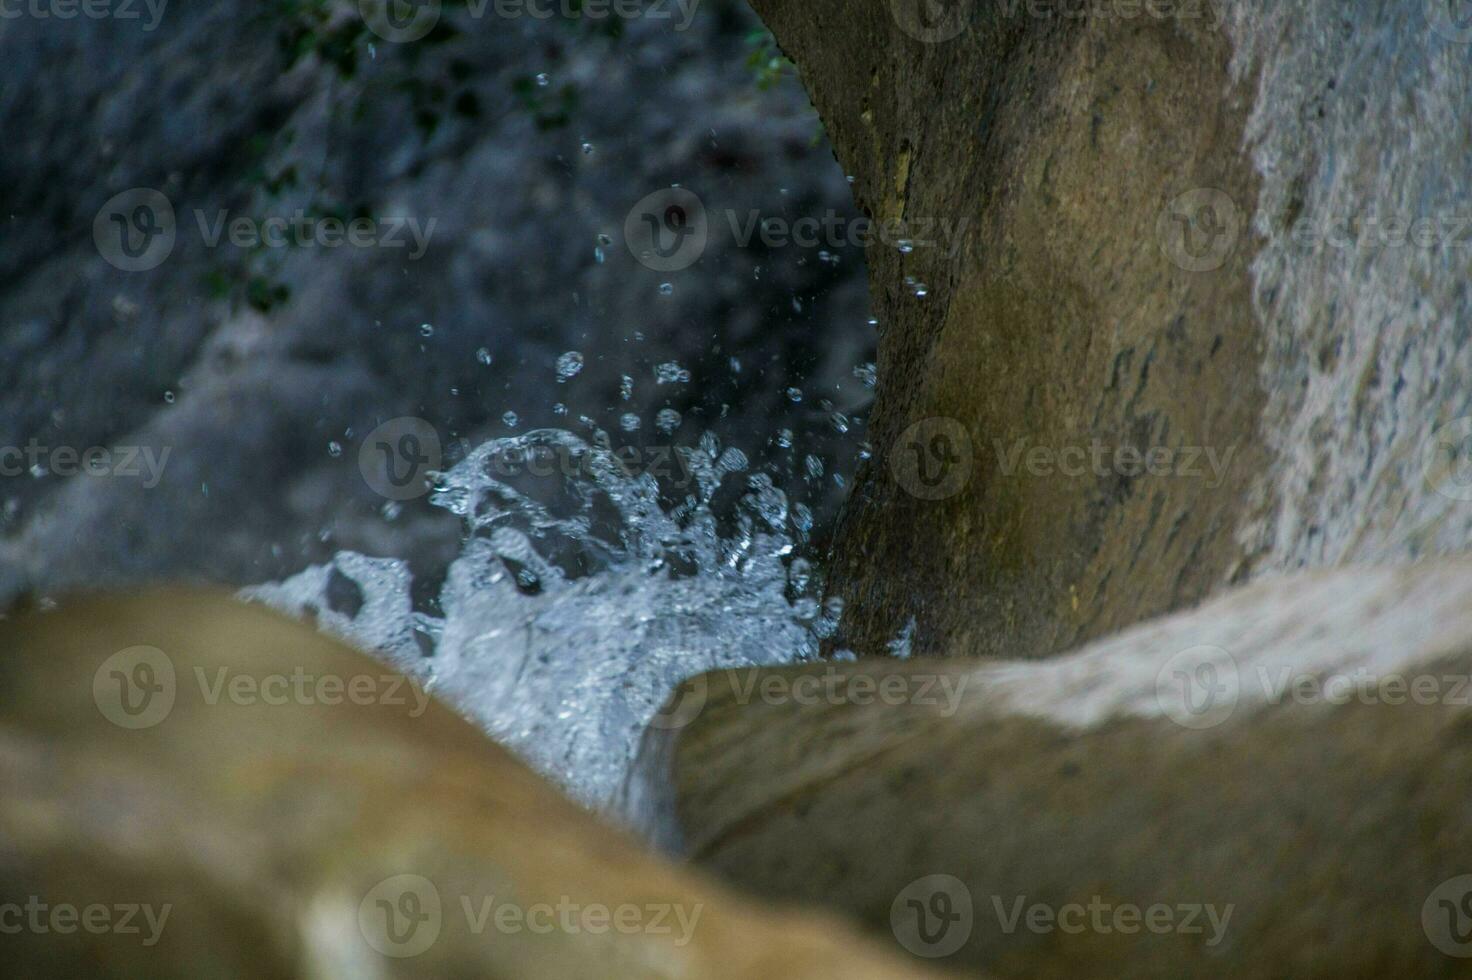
586, 589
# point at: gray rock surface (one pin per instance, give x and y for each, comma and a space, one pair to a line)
212, 110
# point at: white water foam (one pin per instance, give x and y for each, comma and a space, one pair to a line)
580, 597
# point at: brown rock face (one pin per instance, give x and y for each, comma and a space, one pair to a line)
195, 787
1202, 318
1060, 329
1272, 785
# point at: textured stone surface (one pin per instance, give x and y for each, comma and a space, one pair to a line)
1292, 755
263, 822
208, 109
1329, 384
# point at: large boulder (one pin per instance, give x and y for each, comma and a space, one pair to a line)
1207, 320
1272, 785
194, 787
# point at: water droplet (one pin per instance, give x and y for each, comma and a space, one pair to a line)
784, 438
794, 395
813, 465
559, 409
839, 422
598, 255
671, 372
568, 366
587, 148
511, 419
334, 449
874, 322
426, 330
484, 356
626, 387
867, 374
543, 79
629, 422
391, 510
666, 289
905, 246
921, 290
169, 397
668, 420
604, 240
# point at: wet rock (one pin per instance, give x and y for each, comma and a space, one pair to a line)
1271, 785
1207, 320
197, 787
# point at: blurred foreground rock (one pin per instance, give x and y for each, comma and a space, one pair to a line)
1273, 785
195, 787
